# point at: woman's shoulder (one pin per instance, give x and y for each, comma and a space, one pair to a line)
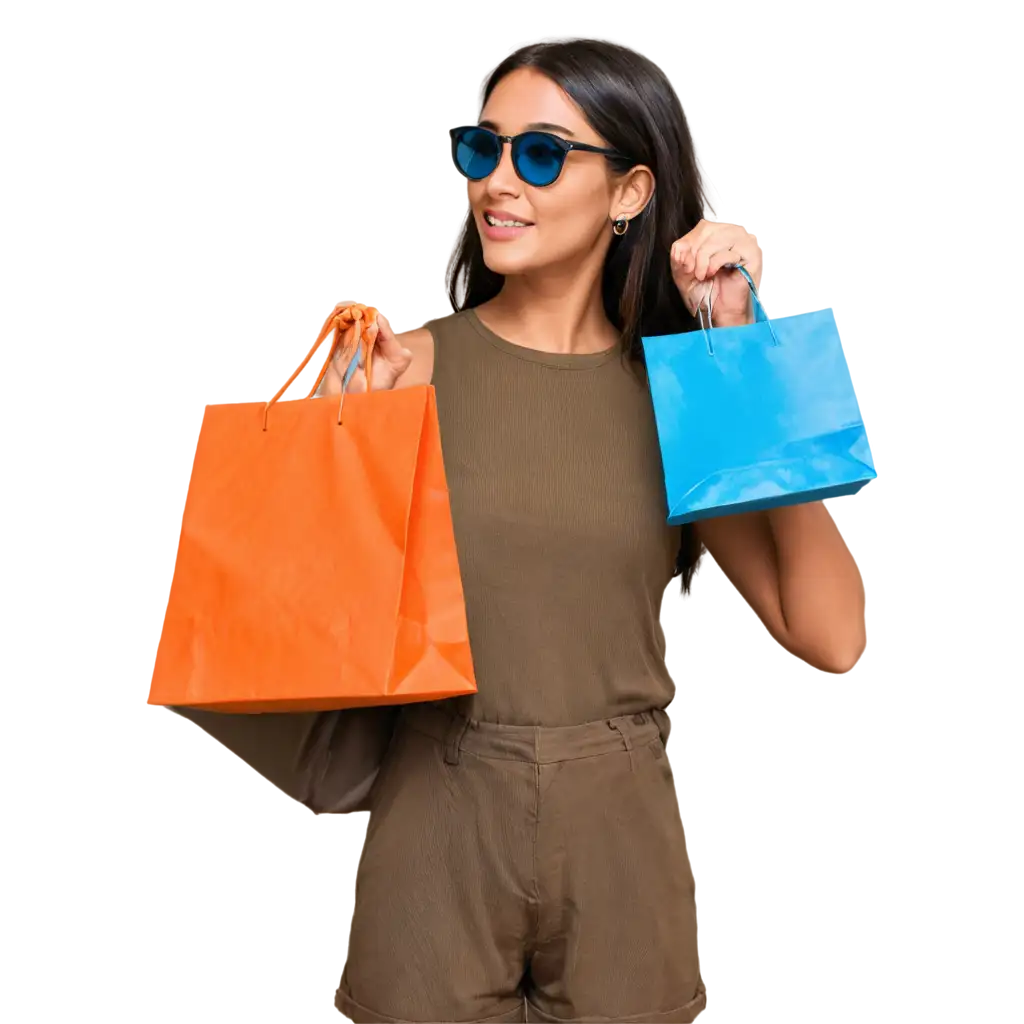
424, 343
440, 325
419, 322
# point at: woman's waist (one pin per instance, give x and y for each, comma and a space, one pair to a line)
452, 723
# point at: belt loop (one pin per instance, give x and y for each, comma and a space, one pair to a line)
453, 741
660, 715
627, 742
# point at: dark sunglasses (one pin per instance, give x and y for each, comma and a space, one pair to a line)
538, 157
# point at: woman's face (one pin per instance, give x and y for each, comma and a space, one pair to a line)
565, 219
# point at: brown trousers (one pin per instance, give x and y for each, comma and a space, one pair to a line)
516, 873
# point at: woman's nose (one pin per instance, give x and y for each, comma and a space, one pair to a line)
503, 179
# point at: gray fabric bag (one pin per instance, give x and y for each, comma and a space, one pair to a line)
326, 760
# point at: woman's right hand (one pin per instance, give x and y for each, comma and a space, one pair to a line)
390, 361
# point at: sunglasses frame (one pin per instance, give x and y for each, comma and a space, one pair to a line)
515, 141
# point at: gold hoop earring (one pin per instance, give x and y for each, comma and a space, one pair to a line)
620, 226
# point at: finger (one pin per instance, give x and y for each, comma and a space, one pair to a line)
720, 241
698, 233
701, 259
754, 257
340, 301
390, 357
357, 384
391, 348
371, 334
749, 260
710, 298
723, 257
694, 295
343, 351
705, 295
678, 251
679, 257
707, 238
688, 245
331, 384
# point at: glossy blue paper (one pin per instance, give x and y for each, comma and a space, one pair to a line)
757, 416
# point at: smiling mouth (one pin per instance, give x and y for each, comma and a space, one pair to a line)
495, 223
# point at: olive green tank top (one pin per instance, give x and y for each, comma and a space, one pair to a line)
559, 510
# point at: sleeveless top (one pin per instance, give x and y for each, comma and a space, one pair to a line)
559, 511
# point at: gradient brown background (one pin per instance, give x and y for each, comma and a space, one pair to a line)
182, 193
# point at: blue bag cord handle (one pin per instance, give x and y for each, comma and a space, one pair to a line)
760, 315
350, 370
353, 363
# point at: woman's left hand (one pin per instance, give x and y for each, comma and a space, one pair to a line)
698, 261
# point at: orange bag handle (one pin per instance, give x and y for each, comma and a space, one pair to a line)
350, 325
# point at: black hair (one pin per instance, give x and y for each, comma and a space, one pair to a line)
630, 103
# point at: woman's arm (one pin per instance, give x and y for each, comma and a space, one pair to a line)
790, 564
793, 568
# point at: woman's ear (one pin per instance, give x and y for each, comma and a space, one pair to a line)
632, 193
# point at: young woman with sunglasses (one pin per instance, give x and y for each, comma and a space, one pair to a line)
525, 857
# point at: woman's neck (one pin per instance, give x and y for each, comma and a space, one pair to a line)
551, 313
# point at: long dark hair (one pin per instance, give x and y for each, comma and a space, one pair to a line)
632, 105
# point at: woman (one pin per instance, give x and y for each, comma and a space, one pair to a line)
525, 858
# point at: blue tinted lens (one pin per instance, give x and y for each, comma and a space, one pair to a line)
477, 152
538, 158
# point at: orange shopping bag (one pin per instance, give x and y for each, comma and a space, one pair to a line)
316, 567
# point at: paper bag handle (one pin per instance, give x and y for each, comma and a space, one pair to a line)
760, 315
350, 323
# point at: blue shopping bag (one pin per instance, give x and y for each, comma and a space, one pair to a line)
756, 416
